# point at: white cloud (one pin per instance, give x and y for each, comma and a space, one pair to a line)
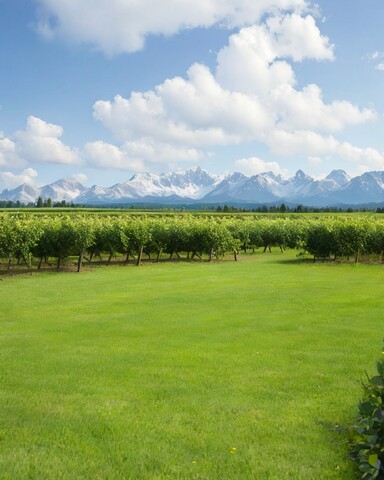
9, 180
299, 37
8, 154
137, 156
104, 155
250, 98
248, 63
369, 157
315, 145
80, 177
40, 142
375, 55
377, 58
314, 161
116, 26
192, 112
305, 142
252, 62
251, 95
254, 165
306, 109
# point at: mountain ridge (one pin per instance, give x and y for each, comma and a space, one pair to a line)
196, 185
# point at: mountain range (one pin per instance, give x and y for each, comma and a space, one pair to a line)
198, 186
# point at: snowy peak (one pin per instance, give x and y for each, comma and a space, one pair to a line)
301, 178
340, 177
24, 194
197, 185
65, 189
194, 183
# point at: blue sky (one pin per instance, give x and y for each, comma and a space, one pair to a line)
103, 90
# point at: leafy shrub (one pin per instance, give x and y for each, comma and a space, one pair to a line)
367, 434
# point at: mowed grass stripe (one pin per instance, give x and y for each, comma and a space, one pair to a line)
186, 370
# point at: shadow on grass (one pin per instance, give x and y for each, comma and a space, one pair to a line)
69, 267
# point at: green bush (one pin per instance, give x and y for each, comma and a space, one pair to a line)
367, 434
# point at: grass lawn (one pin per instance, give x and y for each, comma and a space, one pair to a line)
186, 370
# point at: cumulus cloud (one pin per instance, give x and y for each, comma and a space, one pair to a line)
137, 156
306, 109
10, 180
40, 142
316, 146
254, 165
8, 154
250, 97
299, 37
252, 62
192, 111
369, 157
104, 155
116, 26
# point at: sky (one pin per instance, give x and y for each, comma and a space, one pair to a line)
103, 89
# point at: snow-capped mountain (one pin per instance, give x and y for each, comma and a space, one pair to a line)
24, 194
198, 186
339, 177
192, 184
65, 189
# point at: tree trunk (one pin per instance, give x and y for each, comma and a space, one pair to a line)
235, 255
40, 263
80, 261
58, 263
27, 263
211, 255
139, 256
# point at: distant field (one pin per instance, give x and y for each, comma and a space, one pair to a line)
170, 211
223, 370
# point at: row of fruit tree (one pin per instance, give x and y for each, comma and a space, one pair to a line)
30, 239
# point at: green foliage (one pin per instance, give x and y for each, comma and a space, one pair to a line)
43, 235
367, 434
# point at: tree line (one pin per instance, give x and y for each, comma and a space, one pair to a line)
50, 239
40, 203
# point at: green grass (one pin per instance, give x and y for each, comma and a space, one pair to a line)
162, 371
